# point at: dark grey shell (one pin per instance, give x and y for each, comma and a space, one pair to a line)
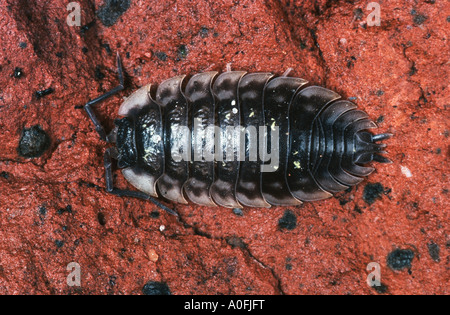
324, 143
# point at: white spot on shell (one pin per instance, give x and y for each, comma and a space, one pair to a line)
156, 138
273, 126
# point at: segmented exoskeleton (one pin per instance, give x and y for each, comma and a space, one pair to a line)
323, 143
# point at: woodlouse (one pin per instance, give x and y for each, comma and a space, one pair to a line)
323, 143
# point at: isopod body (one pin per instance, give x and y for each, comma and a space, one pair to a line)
323, 144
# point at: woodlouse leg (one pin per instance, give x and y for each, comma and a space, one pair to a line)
109, 155
88, 107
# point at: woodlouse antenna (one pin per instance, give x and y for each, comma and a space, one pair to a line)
286, 73
89, 105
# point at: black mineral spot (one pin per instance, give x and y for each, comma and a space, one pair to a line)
42, 210
400, 259
372, 192
231, 265
67, 209
33, 143
204, 31
40, 94
448, 18
288, 221
358, 13
380, 92
87, 27
18, 72
107, 48
412, 71
419, 19
350, 64
59, 244
303, 45
5, 175
238, 212
156, 288
112, 10
23, 45
99, 75
236, 242
101, 219
380, 119
182, 51
112, 281
434, 251
161, 55
154, 214
381, 289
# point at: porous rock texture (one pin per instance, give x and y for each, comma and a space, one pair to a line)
54, 209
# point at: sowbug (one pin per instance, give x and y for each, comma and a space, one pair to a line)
165, 146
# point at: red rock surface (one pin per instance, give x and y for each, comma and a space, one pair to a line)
54, 210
